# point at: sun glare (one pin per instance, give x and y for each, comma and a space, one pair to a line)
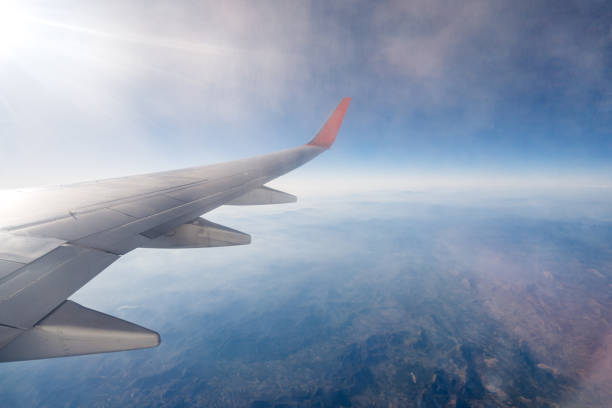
14, 32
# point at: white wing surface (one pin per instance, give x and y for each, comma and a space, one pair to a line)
54, 240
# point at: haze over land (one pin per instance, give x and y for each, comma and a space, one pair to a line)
408, 299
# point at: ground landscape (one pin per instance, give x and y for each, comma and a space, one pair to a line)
403, 302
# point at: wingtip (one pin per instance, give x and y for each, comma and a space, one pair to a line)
327, 135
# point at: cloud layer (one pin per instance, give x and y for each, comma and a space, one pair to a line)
435, 83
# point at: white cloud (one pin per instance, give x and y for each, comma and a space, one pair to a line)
111, 88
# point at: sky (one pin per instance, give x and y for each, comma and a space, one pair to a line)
485, 91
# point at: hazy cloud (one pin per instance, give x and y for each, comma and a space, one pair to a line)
170, 84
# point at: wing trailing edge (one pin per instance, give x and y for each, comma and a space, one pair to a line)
72, 330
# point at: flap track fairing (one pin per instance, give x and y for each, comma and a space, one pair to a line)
262, 196
72, 330
199, 233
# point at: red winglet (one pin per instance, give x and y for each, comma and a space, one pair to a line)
327, 135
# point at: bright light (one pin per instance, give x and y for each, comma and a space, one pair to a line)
14, 33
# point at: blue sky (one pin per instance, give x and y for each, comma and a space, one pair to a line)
90, 89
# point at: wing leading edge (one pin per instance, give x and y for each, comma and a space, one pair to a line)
54, 240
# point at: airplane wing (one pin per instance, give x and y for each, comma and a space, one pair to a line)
54, 240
